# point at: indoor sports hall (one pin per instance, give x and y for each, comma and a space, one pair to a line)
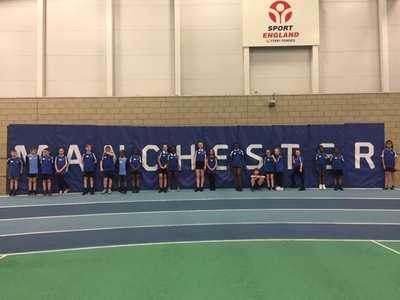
199, 149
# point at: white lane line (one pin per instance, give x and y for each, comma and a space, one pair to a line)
200, 210
193, 225
195, 242
386, 247
197, 199
2, 256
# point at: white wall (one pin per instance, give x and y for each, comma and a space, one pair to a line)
76, 48
394, 44
280, 70
349, 50
17, 48
211, 51
211, 47
144, 47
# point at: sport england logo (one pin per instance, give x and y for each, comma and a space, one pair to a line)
280, 12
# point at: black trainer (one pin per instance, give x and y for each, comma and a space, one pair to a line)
85, 191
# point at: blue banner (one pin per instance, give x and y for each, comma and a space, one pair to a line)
361, 145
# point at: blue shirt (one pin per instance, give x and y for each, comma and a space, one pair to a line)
173, 161
14, 165
212, 161
32, 163
337, 162
269, 164
88, 162
236, 158
60, 163
279, 165
163, 158
201, 155
122, 163
297, 160
320, 158
47, 165
108, 162
135, 161
389, 156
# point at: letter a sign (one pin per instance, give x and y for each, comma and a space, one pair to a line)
271, 23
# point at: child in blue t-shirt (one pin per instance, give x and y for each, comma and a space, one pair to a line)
389, 164
212, 164
269, 169
47, 163
237, 164
15, 169
61, 165
279, 169
200, 166
107, 167
337, 161
163, 169
32, 166
89, 161
256, 180
122, 167
173, 168
136, 163
320, 161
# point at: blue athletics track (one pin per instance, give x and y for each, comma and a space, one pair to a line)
74, 221
206, 245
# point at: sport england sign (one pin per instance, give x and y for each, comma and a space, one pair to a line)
280, 23
361, 146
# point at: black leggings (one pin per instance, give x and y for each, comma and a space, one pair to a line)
173, 174
279, 179
237, 177
62, 184
212, 180
296, 172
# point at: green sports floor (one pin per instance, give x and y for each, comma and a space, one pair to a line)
226, 265
226, 270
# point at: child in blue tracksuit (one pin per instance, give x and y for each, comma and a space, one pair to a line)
122, 167
337, 161
32, 166
15, 169
135, 162
298, 169
237, 164
61, 165
47, 163
107, 167
269, 169
279, 169
173, 168
320, 160
389, 164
